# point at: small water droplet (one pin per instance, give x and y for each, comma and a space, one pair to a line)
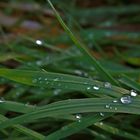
56, 79
56, 91
126, 99
39, 63
34, 80
107, 85
46, 79
101, 123
38, 42
78, 117
102, 114
39, 78
115, 101
116, 108
96, 87
1, 101
133, 93
107, 106
88, 88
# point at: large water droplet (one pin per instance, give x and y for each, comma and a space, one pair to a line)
126, 99
96, 87
107, 85
133, 93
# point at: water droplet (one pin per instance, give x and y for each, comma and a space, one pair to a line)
116, 108
38, 42
102, 114
27, 104
39, 63
88, 88
46, 79
101, 123
39, 78
115, 101
56, 91
96, 87
107, 106
78, 117
56, 79
34, 80
107, 85
1, 101
133, 93
126, 99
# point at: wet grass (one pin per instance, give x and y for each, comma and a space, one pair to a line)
74, 78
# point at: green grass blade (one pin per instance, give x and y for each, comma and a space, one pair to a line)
62, 81
75, 127
24, 130
73, 106
83, 49
129, 82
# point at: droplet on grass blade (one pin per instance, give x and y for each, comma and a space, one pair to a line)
102, 114
126, 99
78, 117
107, 85
96, 87
133, 93
38, 42
115, 101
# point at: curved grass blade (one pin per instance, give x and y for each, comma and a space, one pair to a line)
82, 48
22, 129
75, 127
73, 106
61, 81
129, 82
116, 131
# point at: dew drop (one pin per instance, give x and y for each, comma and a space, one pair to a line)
38, 42
1, 101
78, 117
56, 79
116, 108
102, 114
115, 101
96, 87
56, 91
46, 79
126, 99
101, 123
39, 63
107, 85
107, 106
88, 88
133, 93
34, 80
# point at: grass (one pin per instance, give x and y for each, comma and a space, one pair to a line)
90, 92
